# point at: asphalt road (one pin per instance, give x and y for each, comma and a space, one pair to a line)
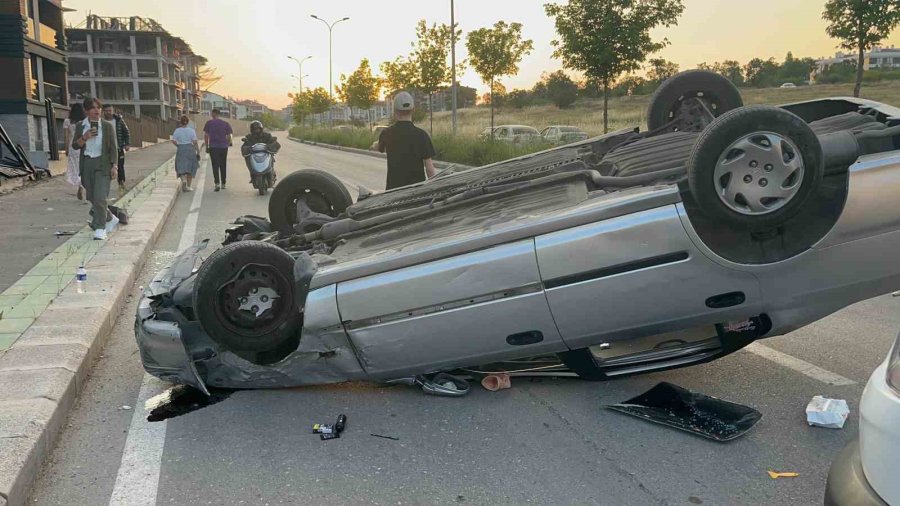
547, 441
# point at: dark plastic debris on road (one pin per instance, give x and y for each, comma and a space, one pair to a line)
700, 414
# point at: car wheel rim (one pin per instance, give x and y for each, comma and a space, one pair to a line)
696, 110
759, 173
253, 301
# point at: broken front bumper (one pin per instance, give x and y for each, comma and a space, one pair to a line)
175, 348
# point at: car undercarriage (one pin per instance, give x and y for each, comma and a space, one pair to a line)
627, 253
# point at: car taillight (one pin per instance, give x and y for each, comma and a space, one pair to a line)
893, 368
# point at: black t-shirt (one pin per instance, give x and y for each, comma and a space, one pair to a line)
406, 146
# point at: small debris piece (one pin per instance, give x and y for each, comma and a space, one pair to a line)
776, 474
386, 437
496, 381
125, 408
60, 233
828, 413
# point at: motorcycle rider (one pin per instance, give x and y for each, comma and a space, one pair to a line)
259, 135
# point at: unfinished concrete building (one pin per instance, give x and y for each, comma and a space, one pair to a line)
134, 64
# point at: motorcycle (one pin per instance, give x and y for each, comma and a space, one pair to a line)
261, 162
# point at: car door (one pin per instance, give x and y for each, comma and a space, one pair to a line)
637, 275
473, 308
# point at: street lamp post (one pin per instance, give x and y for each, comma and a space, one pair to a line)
453, 64
300, 80
300, 69
330, 27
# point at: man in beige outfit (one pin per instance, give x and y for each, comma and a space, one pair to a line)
96, 139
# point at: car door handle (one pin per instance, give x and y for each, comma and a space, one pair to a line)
724, 300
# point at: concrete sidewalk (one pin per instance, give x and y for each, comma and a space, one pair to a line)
30, 216
50, 333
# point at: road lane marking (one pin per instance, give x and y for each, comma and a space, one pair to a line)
813, 371
138, 478
137, 481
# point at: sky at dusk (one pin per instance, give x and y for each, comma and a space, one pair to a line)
248, 41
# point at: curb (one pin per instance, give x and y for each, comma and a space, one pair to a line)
437, 163
47, 366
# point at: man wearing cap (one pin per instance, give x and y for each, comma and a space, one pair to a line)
408, 147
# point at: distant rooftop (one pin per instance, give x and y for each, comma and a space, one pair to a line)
94, 22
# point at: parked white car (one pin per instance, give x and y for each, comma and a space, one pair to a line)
865, 472
561, 134
788, 85
516, 134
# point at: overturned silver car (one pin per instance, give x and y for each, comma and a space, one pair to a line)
623, 254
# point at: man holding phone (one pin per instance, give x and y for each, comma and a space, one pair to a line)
96, 139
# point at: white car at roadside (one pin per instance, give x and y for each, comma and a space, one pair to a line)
865, 472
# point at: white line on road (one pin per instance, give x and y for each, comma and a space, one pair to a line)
137, 481
813, 371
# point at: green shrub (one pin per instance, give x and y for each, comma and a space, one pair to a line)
462, 150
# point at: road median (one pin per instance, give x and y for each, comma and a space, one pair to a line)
54, 347
437, 163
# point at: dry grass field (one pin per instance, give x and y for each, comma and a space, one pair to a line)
628, 112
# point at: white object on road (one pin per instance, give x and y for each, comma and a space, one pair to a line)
829, 413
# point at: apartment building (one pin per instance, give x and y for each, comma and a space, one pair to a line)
32, 70
134, 64
226, 105
885, 58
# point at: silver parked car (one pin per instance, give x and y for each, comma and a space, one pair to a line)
560, 134
623, 254
514, 134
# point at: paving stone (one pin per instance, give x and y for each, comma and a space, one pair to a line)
53, 384
29, 358
27, 431
7, 340
14, 325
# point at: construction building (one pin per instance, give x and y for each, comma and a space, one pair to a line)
32, 71
134, 64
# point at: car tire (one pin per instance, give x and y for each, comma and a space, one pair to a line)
583, 363
739, 180
225, 281
324, 194
716, 92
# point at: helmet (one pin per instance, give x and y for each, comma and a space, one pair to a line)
256, 126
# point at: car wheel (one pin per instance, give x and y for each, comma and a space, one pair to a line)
755, 167
583, 363
244, 297
696, 97
322, 192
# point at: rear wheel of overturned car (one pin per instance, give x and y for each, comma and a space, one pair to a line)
244, 297
690, 100
755, 168
322, 192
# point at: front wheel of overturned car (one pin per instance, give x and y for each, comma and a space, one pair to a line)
244, 297
690, 100
755, 167
322, 192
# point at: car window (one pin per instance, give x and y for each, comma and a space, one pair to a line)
551, 132
545, 132
502, 132
570, 129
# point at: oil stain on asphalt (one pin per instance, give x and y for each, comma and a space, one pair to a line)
182, 399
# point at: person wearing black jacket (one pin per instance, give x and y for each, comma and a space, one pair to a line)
258, 135
123, 138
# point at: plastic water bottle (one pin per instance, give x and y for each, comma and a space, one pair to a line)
80, 279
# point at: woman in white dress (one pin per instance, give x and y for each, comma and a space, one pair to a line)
187, 153
73, 171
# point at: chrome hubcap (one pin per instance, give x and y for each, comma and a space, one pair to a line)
759, 173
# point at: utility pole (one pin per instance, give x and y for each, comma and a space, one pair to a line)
330, 27
453, 64
300, 69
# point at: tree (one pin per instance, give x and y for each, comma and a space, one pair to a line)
731, 70
495, 97
361, 88
860, 25
796, 69
496, 52
561, 90
399, 75
606, 38
272, 121
761, 73
631, 85
660, 69
519, 98
314, 101
430, 53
